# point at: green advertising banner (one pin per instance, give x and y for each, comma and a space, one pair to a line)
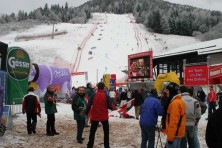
18, 68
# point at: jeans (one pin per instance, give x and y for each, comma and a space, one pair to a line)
188, 138
148, 135
92, 133
175, 144
31, 122
196, 140
50, 126
80, 128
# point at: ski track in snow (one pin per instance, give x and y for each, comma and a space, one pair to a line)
113, 38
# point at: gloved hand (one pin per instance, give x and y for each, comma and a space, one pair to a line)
170, 142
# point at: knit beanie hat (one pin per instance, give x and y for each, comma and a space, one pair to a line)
173, 89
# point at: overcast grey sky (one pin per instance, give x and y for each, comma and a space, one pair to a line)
206, 4
9, 6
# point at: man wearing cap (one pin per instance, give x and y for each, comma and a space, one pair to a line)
176, 116
214, 129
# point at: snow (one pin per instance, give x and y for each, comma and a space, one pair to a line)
110, 38
114, 37
124, 133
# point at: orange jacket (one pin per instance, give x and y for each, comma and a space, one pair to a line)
176, 118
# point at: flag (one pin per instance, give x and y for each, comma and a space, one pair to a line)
126, 107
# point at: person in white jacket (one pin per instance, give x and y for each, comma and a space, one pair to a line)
112, 95
193, 113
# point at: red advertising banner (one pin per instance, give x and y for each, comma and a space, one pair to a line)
140, 65
77, 73
216, 74
196, 75
216, 71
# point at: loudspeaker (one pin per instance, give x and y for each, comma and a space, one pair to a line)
3, 55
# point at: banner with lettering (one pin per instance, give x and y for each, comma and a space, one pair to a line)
216, 74
196, 75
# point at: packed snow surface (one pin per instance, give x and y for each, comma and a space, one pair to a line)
104, 43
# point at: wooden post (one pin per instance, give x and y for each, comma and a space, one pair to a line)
53, 30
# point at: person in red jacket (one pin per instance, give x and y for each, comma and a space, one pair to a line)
99, 104
212, 101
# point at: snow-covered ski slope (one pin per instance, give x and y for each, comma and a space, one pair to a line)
103, 43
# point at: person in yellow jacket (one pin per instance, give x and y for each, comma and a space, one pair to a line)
176, 116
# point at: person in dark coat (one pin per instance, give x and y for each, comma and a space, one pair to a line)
88, 93
201, 95
214, 129
31, 106
165, 101
79, 106
138, 102
89, 90
50, 110
123, 98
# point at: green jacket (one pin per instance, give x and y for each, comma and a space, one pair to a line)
89, 92
50, 106
78, 106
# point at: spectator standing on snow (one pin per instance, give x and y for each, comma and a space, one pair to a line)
203, 107
112, 95
219, 94
138, 102
123, 98
31, 106
165, 101
129, 95
73, 90
212, 101
79, 106
89, 90
150, 110
193, 114
214, 129
88, 93
50, 110
176, 116
201, 95
99, 104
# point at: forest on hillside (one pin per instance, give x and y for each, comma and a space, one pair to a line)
157, 15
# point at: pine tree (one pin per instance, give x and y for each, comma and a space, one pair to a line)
164, 25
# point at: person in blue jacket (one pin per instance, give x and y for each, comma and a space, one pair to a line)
150, 110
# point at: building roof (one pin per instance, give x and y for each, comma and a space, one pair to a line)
208, 47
